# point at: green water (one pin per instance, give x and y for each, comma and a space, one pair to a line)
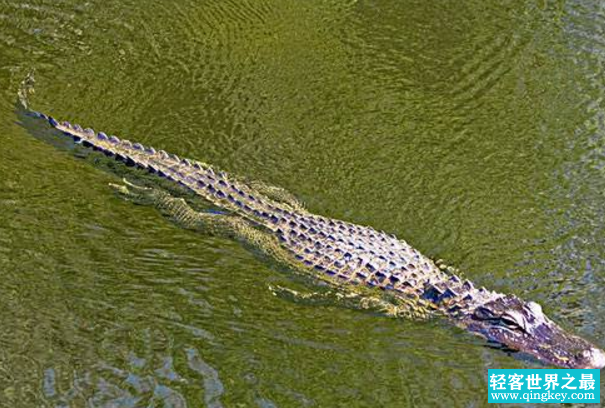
474, 130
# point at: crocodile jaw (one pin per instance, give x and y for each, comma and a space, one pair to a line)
522, 326
595, 358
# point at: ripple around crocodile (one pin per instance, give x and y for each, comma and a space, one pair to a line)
345, 253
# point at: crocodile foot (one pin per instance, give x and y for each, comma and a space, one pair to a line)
138, 194
345, 298
440, 263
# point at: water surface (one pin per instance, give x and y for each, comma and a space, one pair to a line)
474, 130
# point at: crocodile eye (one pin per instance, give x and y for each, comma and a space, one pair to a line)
483, 313
508, 322
512, 322
534, 308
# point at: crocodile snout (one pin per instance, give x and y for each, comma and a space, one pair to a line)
595, 358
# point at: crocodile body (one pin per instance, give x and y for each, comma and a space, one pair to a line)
349, 254
346, 252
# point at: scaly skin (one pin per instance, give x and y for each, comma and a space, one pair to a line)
341, 253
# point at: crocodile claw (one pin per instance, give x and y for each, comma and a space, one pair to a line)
138, 194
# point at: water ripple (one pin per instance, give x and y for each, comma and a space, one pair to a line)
474, 130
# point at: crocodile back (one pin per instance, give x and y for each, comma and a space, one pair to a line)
345, 251
355, 254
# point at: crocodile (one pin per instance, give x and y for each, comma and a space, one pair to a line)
341, 253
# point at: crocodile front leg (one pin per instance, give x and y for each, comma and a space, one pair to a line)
341, 297
357, 298
278, 194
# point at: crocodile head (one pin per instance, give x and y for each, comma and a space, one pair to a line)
522, 326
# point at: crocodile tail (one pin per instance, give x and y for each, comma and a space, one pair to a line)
170, 166
215, 186
25, 89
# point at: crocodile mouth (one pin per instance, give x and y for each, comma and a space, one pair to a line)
595, 358
523, 327
547, 344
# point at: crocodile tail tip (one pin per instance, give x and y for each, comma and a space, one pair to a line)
26, 88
